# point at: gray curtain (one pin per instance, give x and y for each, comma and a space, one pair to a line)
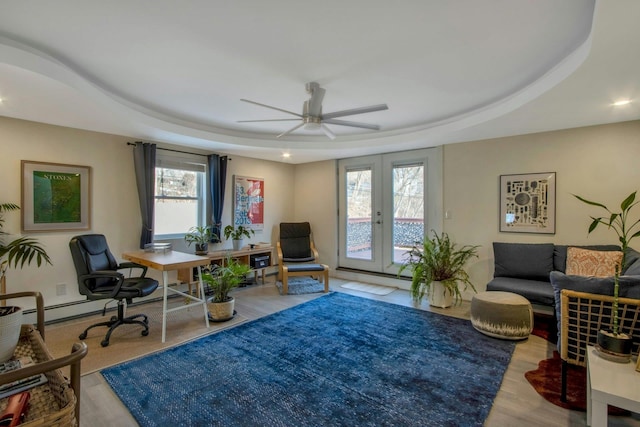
217, 177
144, 160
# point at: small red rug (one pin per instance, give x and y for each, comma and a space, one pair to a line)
547, 381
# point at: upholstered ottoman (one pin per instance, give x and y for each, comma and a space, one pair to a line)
502, 315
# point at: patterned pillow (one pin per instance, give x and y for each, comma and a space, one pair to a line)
583, 262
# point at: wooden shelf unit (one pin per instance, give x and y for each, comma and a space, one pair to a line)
244, 255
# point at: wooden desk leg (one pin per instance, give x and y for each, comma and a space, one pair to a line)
165, 285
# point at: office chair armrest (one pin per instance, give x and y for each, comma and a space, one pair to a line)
125, 265
103, 274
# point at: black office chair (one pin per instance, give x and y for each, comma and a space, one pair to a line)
98, 278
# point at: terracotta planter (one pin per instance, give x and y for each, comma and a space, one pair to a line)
221, 311
10, 324
439, 296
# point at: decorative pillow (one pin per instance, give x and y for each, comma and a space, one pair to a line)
583, 262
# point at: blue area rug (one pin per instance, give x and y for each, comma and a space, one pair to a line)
337, 360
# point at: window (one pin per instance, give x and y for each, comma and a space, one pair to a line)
179, 193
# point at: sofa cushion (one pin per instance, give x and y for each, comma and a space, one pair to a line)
537, 292
560, 254
631, 258
523, 260
633, 269
585, 262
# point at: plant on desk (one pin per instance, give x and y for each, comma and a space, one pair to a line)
237, 235
201, 236
222, 279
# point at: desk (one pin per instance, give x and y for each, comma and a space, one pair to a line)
610, 383
166, 262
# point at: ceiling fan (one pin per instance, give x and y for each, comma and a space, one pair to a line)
312, 117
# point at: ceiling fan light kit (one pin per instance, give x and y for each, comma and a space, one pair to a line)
312, 117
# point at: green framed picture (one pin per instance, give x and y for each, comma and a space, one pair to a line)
55, 197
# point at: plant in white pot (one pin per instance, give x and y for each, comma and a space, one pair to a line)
201, 236
221, 280
237, 234
15, 253
437, 270
613, 341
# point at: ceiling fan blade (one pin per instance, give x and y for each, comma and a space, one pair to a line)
269, 106
328, 132
352, 124
315, 102
353, 111
290, 130
267, 120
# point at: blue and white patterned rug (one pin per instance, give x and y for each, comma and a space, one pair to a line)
338, 360
302, 285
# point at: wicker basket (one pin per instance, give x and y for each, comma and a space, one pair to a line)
53, 403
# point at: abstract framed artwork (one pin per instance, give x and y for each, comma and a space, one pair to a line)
55, 197
248, 206
528, 203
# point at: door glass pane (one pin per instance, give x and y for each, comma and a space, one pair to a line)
359, 207
408, 208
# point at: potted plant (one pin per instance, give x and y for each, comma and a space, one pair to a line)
221, 280
201, 236
614, 341
437, 267
237, 235
16, 253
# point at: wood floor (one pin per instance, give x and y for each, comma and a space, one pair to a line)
517, 403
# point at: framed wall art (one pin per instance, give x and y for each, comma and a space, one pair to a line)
528, 203
248, 206
55, 197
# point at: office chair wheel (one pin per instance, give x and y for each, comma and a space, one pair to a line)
114, 318
104, 343
82, 335
145, 333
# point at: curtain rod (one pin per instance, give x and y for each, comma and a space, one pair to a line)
176, 151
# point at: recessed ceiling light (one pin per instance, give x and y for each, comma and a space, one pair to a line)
286, 155
622, 102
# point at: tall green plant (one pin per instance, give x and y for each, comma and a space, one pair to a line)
21, 251
619, 222
223, 278
439, 260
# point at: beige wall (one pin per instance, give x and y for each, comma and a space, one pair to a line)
598, 162
115, 209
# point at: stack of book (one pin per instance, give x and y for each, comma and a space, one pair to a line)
157, 247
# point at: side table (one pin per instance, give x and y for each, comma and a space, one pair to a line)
610, 383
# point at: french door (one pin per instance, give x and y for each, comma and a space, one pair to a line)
386, 203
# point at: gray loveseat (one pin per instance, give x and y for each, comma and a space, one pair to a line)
526, 269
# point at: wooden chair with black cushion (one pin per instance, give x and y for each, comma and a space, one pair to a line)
99, 278
297, 255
